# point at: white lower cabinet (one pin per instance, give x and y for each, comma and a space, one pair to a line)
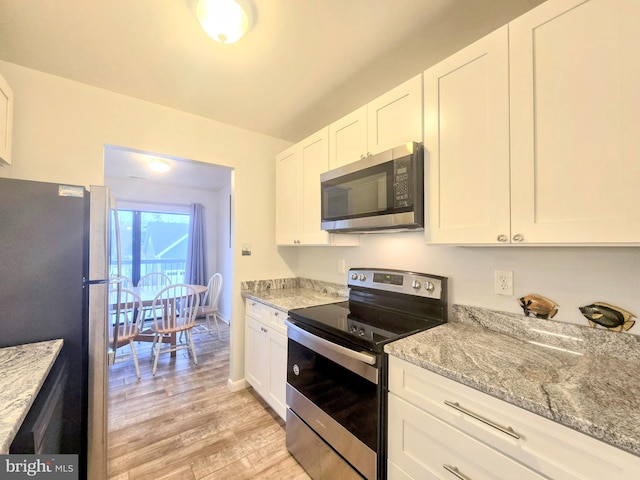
266, 353
439, 428
428, 448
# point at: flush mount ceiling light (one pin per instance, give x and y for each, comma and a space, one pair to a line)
158, 165
226, 21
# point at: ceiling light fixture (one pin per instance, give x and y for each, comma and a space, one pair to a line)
226, 21
159, 165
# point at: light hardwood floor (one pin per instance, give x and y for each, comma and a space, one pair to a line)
185, 424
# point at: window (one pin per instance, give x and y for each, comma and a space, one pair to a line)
152, 242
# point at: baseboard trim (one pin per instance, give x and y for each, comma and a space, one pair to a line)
237, 385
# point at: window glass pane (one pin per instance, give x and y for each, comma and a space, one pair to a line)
151, 242
163, 244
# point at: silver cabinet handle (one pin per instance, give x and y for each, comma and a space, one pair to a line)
518, 237
454, 471
502, 238
508, 430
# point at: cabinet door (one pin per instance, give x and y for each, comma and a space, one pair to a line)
348, 138
278, 372
575, 106
288, 197
315, 160
466, 136
424, 447
395, 117
256, 355
6, 121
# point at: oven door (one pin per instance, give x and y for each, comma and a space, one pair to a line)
336, 393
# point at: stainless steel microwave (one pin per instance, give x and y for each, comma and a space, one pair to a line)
382, 192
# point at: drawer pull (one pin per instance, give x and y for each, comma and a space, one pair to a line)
454, 471
508, 430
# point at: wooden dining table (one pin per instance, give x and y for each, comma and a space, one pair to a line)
147, 294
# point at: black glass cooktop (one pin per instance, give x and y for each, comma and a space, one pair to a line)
366, 326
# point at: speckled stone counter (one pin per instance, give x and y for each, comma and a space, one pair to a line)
286, 294
580, 377
23, 370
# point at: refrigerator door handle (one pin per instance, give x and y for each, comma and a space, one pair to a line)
108, 281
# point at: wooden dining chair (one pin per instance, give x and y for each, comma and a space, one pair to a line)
125, 322
209, 307
176, 306
154, 279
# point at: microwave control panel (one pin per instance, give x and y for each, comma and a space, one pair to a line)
401, 189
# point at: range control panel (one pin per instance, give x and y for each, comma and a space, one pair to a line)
409, 283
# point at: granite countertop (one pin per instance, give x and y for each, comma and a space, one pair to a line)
23, 370
580, 377
286, 294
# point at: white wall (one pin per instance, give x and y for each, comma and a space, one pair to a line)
570, 276
60, 130
224, 247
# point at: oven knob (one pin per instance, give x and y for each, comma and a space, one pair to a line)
363, 277
429, 287
353, 329
416, 284
296, 369
361, 332
354, 276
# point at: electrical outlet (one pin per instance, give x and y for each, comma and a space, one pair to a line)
504, 282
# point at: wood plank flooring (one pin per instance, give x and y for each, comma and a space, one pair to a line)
185, 424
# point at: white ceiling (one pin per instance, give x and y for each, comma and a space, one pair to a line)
132, 166
304, 64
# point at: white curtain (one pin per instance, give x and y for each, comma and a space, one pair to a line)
196, 271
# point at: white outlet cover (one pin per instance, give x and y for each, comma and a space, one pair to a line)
504, 282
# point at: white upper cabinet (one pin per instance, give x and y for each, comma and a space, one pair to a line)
395, 117
288, 197
6, 121
533, 139
348, 138
314, 155
298, 208
390, 120
467, 98
575, 126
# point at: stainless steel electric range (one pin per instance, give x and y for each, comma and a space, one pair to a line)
337, 369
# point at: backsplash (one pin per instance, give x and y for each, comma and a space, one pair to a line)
569, 337
306, 283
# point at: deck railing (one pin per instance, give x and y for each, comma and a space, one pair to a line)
173, 268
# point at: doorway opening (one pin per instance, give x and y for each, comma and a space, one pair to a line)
150, 201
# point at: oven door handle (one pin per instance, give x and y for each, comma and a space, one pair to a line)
361, 363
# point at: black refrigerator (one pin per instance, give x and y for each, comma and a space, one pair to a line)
54, 271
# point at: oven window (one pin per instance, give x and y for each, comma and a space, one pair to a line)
348, 398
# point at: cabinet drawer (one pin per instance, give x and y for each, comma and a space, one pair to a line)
555, 450
258, 310
426, 448
276, 321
